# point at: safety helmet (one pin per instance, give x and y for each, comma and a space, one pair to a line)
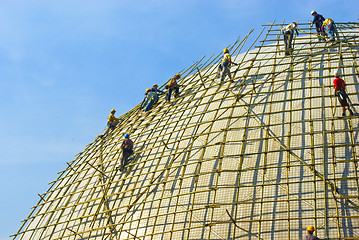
310, 228
313, 12
336, 73
127, 135
155, 85
294, 23
148, 90
178, 75
113, 110
225, 50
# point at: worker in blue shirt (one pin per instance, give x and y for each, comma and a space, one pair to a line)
150, 100
318, 22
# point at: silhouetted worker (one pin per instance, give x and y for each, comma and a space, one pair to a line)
223, 68
331, 29
310, 235
288, 33
340, 92
151, 99
156, 90
112, 122
173, 86
127, 150
318, 22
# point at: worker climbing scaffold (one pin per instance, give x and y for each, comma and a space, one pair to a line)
112, 122
173, 86
150, 100
224, 66
156, 90
331, 29
318, 22
288, 33
339, 86
127, 150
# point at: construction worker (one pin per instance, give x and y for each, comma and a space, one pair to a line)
288, 32
173, 86
310, 235
151, 99
318, 21
223, 68
112, 122
331, 29
156, 90
127, 150
339, 86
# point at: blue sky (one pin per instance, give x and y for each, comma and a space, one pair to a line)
65, 64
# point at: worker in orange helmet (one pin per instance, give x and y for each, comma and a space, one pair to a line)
310, 235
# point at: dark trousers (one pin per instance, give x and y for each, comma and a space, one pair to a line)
288, 38
176, 89
125, 154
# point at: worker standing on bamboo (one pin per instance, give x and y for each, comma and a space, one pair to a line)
288, 33
173, 86
127, 150
223, 68
331, 29
340, 92
112, 122
318, 22
310, 235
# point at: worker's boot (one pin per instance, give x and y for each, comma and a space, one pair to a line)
350, 112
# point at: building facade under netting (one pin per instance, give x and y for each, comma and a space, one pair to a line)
260, 156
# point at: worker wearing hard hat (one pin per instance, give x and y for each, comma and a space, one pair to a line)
112, 122
339, 86
310, 235
288, 33
127, 150
223, 68
173, 86
156, 90
331, 29
318, 22
151, 99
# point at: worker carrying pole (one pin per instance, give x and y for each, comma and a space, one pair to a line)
310, 235
127, 150
288, 33
112, 122
318, 22
173, 86
339, 86
224, 66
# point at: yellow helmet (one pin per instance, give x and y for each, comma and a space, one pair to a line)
155, 85
225, 50
113, 110
178, 75
148, 90
310, 228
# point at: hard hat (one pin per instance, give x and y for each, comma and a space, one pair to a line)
225, 50
178, 75
336, 73
148, 90
127, 135
294, 23
312, 12
113, 110
155, 85
310, 228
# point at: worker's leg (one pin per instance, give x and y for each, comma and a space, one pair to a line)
285, 43
224, 73
335, 31
125, 155
149, 105
169, 94
329, 33
219, 70
176, 91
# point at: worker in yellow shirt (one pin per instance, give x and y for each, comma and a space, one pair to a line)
112, 122
331, 29
223, 68
288, 33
